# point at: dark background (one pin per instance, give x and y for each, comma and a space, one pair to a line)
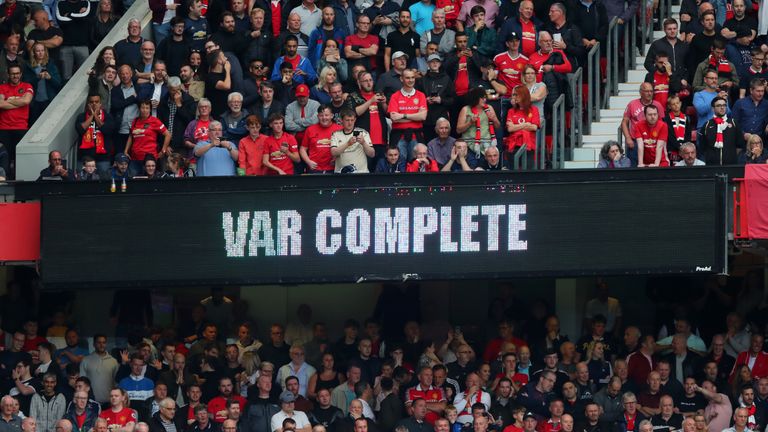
582, 228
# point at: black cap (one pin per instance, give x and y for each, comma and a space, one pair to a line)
512, 36
550, 351
529, 415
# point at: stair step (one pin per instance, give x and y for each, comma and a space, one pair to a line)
611, 113
608, 127
636, 75
585, 154
597, 141
621, 102
574, 164
675, 10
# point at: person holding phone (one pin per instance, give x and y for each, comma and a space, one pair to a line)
351, 146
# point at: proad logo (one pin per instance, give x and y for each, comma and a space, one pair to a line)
703, 269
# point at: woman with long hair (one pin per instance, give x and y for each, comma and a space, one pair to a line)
755, 153
477, 122
522, 123
322, 91
612, 156
327, 377
44, 77
176, 166
600, 370
197, 129
102, 23
537, 89
332, 57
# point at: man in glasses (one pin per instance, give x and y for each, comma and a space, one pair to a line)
721, 136
56, 169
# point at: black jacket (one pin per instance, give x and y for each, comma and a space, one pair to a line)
572, 36
183, 116
732, 139
439, 84
677, 55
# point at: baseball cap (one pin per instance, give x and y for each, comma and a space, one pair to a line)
287, 397
512, 36
302, 90
122, 157
434, 57
399, 54
529, 415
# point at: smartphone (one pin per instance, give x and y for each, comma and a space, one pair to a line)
433, 94
557, 37
355, 133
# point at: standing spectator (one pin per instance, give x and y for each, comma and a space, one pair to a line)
370, 108
477, 122
757, 69
101, 23
465, 20
260, 45
727, 75
421, 16
44, 77
332, 57
215, 157
301, 113
176, 110
95, 127
267, 105
82, 414
162, 14
523, 120
402, 40
567, 35
679, 125
100, 367
665, 82
438, 87
362, 47
15, 98
751, 113
11, 54
675, 49
650, 136
721, 137
137, 385
351, 147
51, 37
14, 19
124, 105
196, 25
234, 119
315, 147
391, 81
280, 153
128, 50
197, 129
174, 49
252, 148
407, 110
304, 73
143, 137
702, 100
119, 415
218, 82
445, 38
482, 38
324, 32
48, 405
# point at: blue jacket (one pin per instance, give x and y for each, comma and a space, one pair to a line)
52, 86
317, 40
341, 16
384, 167
304, 65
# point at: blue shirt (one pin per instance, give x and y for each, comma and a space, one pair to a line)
77, 351
750, 117
215, 162
702, 100
421, 16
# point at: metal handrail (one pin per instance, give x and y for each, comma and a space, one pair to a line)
558, 132
576, 83
541, 144
593, 84
520, 156
612, 69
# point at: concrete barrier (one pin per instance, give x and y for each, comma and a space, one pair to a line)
55, 130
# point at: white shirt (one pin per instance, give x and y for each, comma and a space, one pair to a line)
298, 416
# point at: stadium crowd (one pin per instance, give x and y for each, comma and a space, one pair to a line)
285, 87
210, 372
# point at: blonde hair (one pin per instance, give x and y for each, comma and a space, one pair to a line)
33, 61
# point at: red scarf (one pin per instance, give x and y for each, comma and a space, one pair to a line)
468, 408
630, 421
93, 137
721, 65
462, 77
678, 126
476, 114
720, 121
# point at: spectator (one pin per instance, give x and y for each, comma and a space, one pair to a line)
370, 107
755, 70
728, 77
612, 156
195, 25
88, 173
362, 47
630, 418
128, 50
81, 409
465, 20
147, 60
675, 49
755, 154
43, 76
49, 405
234, 119
551, 64
444, 37
280, 153
351, 147
491, 162
440, 148
177, 166
634, 114
215, 156
218, 82
102, 84
438, 87
118, 415
304, 73
570, 39
287, 411
293, 28
421, 16
95, 127
16, 97
679, 125
482, 38
701, 44
421, 161
322, 91
176, 110
721, 136
252, 148
524, 25
391, 163
11, 54
702, 100
197, 129
407, 110
391, 81
101, 23
260, 45
739, 22
51, 37
751, 113
523, 120
136, 385
143, 138
315, 147
124, 106
325, 32
403, 40
719, 404
56, 169
331, 57
229, 40
665, 82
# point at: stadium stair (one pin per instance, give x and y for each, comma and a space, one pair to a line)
588, 155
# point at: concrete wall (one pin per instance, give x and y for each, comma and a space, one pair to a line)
56, 129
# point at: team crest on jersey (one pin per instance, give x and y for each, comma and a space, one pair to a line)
20, 90
415, 100
654, 134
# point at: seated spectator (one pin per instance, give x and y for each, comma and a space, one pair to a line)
667, 418
612, 156
267, 105
391, 163
630, 418
650, 137
679, 125
56, 169
461, 158
441, 147
523, 120
215, 156
351, 147
287, 411
120, 170
89, 172
95, 127
755, 154
421, 162
721, 136
176, 166
143, 138
477, 122
492, 161
150, 170
280, 153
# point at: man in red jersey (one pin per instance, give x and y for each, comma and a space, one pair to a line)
315, 148
651, 138
119, 417
218, 405
547, 50
15, 97
408, 110
281, 148
434, 396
